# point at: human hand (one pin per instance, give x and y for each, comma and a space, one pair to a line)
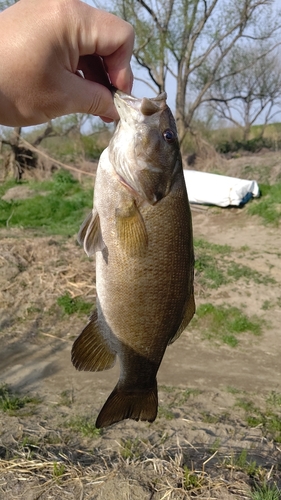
44, 43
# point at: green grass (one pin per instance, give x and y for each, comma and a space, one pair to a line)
268, 207
60, 210
239, 271
84, 425
266, 492
191, 479
165, 412
243, 462
74, 305
223, 323
208, 262
130, 449
268, 419
214, 267
11, 402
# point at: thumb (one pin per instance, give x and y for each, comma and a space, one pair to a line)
85, 96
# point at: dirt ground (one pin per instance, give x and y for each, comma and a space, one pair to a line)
207, 390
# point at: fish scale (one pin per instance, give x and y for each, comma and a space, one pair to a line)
141, 231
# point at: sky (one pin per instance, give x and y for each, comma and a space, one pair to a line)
140, 89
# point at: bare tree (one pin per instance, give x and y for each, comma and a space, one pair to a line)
22, 157
251, 90
184, 37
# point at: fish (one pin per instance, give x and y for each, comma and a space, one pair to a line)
140, 229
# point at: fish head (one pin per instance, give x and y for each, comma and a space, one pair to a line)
144, 149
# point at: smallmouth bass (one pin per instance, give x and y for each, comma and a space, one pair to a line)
141, 231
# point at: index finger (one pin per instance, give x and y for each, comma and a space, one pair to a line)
112, 38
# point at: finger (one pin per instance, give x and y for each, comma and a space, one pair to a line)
85, 96
94, 70
113, 39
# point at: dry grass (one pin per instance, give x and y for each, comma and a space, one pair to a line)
46, 474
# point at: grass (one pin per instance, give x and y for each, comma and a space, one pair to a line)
176, 399
57, 207
268, 207
191, 480
268, 419
130, 449
66, 398
72, 305
243, 462
223, 323
11, 403
84, 425
239, 271
214, 267
266, 492
207, 263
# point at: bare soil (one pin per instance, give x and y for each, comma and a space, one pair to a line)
191, 450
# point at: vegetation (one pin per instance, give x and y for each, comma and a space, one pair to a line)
11, 402
268, 207
208, 49
58, 206
214, 266
224, 323
84, 425
71, 305
266, 491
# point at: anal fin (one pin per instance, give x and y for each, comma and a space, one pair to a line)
90, 351
189, 313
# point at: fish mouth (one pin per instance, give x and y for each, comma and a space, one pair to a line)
147, 106
120, 98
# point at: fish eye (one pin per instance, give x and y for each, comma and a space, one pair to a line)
169, 135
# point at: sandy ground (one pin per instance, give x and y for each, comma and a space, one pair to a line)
202, 422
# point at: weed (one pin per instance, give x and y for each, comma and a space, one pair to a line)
238, 271
11, 403
207, 265
130, 449
215, 446
73, 305
167, 388
269, 421
212, 247
58, 470
268, 207
186, 394
210, 419
190, 479
246, 405
267, 304
85, 426
59, 211
242, 462
232, 390
224, 323
274, 399
29, 445
165, 412
266, 492
66, 398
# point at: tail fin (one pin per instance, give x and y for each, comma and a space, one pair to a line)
138, 405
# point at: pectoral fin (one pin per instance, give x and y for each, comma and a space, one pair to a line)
131, 230
90, 234
189, 313
90, 351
